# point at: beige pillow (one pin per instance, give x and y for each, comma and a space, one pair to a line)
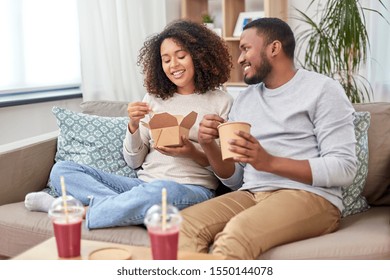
105, 108
377, 187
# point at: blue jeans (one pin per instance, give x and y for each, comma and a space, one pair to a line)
117, 200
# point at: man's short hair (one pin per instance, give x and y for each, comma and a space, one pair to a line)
275, 29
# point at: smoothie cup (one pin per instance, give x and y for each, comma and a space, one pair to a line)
163, 238
67, 218
226, 132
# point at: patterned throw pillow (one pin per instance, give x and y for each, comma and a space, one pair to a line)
92, 140
353, 200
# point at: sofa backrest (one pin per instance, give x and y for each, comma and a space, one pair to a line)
105, 108
377, 187
25, 166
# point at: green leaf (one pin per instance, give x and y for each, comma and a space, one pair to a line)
337, 44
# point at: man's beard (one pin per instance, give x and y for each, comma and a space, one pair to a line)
261, 72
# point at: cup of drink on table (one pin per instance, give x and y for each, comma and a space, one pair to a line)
226, 132
163, 224
66, 214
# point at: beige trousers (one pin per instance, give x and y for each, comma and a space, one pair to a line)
243, 225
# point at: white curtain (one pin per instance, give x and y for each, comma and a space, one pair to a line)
111, 35
377, 70
35, 55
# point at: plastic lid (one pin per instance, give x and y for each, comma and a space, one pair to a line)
74, 207
154, 216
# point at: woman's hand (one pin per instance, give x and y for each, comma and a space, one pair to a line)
136, 111
187, 149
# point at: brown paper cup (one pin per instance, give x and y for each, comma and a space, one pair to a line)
226, 132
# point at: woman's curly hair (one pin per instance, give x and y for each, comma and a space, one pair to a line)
209, 52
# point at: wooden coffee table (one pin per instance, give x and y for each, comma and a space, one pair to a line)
47, 250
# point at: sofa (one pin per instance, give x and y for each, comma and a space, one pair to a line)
363, 234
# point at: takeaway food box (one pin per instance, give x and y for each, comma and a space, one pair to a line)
167, 130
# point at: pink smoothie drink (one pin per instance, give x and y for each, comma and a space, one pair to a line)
68, 238
163, 231
164, 243
67, 218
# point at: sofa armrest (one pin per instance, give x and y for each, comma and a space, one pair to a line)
25, 166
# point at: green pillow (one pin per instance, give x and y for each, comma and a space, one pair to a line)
92, 140
353, 200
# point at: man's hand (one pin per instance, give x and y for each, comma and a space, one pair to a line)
208, 128
208, 132
250, 151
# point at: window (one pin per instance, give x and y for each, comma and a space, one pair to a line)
39, 49
378, 62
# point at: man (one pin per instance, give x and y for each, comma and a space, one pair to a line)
291, 168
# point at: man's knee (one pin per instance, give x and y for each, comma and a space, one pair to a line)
192, 237
234, 242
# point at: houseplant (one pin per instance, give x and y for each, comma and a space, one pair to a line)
337, 45
208, 20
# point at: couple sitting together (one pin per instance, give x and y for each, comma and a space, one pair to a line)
287, 180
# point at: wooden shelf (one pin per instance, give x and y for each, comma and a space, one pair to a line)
232, 39
192, 9
236, 84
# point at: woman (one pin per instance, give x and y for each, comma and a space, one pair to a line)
184, 66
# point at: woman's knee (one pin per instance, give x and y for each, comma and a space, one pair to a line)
59, 169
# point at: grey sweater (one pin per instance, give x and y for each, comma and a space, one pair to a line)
138, 147
310, 118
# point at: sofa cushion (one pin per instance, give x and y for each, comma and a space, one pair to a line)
362, 236
377, 187
24, 229
93, 140
353, 200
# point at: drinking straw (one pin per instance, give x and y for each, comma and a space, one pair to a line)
64, 199
164, 209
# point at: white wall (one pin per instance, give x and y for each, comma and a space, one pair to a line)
24, 121
173, 9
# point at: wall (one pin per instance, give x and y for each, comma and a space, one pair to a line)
173, 9
24, 121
